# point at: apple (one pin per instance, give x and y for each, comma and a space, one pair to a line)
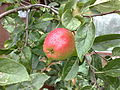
59, 44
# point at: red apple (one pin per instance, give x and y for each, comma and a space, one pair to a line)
59, 44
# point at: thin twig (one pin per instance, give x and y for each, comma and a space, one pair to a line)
104, 53
93, 71
26, 8
26, 28
99, 72
90, 16
99, 55
48, 67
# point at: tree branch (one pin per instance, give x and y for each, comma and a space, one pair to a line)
93, 72
26, 8
26, 28
90, 16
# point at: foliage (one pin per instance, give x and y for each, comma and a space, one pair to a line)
23, 64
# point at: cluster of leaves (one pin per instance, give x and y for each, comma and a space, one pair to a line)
23, 64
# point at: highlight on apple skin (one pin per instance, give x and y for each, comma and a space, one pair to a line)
59, 44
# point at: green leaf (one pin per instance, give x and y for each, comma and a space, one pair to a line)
5, 51
12, 87
103, 6
42, 38
112, 68
96, 62
84, 39
90, 2
107, 37
87, 88
38, 80
83, 68
34, 1
12, 72
69, 21
100, 1
61, 10
116, 51
105, 42
52, 4
10, 1
34, 36
41, 65
113, 81
38, 51
70, 4
15, 37
47, 17
25, 86
13, 55
9, 24
26, 63
27, 52
42, 24
70, 69
35, 61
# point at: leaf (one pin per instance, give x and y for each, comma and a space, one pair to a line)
112, 68
96, 62
47, 17
53, 4
70, 70
116, 51
87, 88
107, 37
9, 24
38, 51
105, 42
12, 87
69, 21
113, 81
90, 2
9, 1
100, 1
38, 80
5, 51
16, 37
25, 86
42, 38
106, 46
70, 4
84, 39
12, 72
41, 65
83, 69
34, 36
27, 52
87, 3
33, 1
42, 24
61, 9
106, 6
35, 61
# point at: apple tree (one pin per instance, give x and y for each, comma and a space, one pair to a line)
24, 65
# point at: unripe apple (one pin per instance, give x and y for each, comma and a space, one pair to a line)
59, 44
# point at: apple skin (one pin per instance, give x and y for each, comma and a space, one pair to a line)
59, 44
